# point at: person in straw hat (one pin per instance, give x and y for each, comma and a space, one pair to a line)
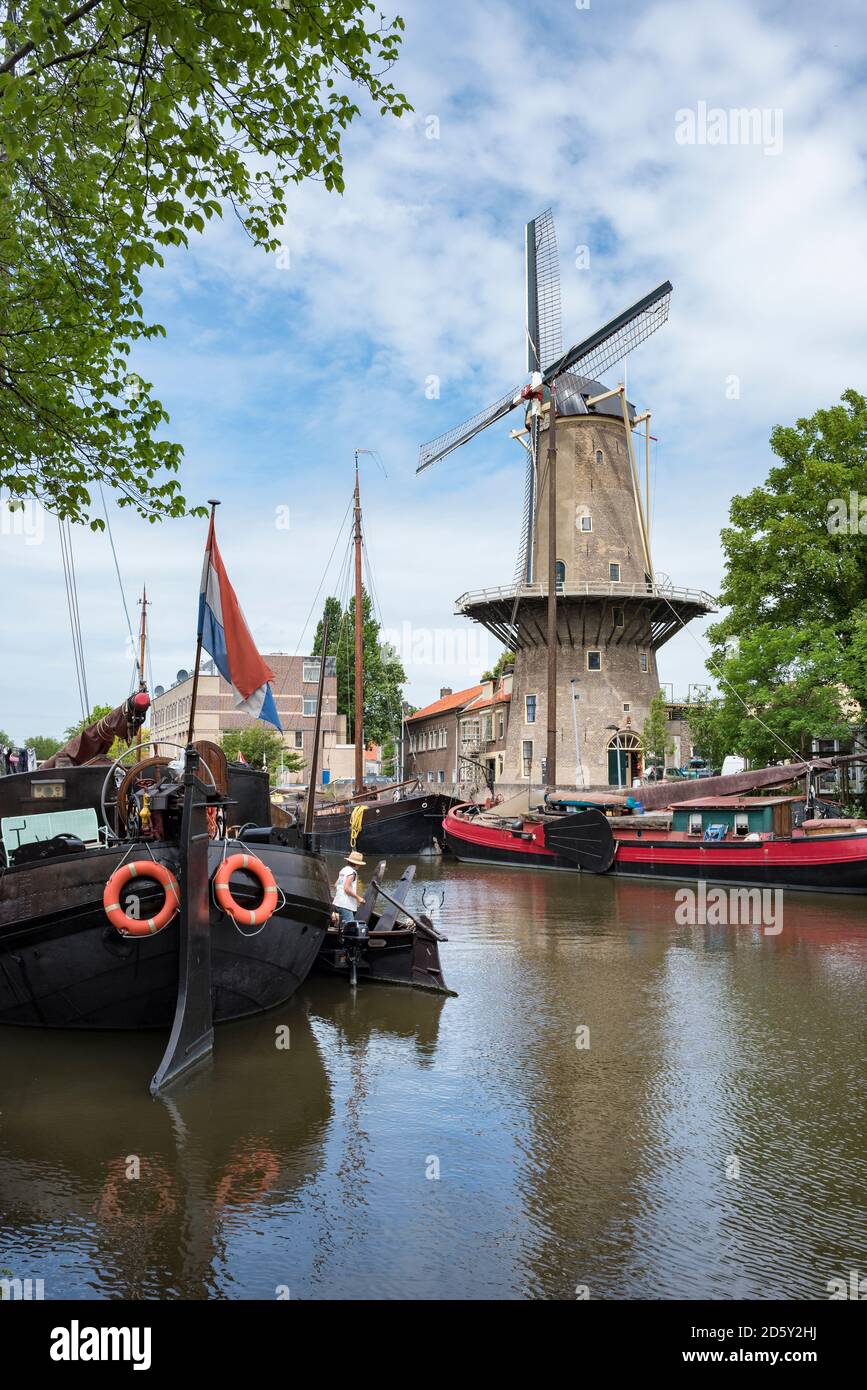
346, 895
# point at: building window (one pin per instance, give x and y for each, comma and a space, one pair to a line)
560, 573
527, 757
594, 661
600, 458
587, 523
614, 573
299, 738
626, 708
310, 673
529, 709
441, 776
489, 728
642, 661
308, 709
695, 826
619, 619
501, 726
430, 776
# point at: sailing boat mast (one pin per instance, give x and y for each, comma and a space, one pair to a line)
358, 731
142, 643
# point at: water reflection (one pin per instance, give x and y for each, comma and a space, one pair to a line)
709, 1142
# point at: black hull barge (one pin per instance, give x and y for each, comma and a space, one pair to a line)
63, 964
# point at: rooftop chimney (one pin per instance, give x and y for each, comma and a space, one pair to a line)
445, 690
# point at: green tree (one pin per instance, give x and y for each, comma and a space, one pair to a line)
503, 660
43, 745
125, 126
655, 741
261, 747
382, 670
795, 589
710, 730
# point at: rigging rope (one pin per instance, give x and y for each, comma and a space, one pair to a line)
132, 642
74, 615
712, 662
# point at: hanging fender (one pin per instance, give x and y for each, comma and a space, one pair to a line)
145, 926
245, 916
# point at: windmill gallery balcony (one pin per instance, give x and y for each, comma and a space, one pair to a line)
514, 613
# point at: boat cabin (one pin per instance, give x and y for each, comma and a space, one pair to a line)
738, 817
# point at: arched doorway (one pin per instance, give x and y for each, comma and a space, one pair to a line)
625, 746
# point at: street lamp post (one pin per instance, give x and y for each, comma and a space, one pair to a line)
579, 773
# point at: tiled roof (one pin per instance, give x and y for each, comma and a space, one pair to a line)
501, 698
446, 703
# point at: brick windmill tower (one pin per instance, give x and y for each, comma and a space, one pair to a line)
586, 613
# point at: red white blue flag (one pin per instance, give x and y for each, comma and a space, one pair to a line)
226, 637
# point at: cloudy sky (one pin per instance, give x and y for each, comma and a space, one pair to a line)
276, 368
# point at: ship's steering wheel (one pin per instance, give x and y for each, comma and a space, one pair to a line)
153, 764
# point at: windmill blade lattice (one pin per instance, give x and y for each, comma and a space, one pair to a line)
437, 448
610, 344
544, 314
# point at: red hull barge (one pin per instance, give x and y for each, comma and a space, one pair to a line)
827, 863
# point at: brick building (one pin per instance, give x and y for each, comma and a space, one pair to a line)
460, 739
295, 686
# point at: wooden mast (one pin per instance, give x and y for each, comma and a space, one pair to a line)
141, 660
551, 754
358, 730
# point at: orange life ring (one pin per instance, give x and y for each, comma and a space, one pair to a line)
245, 916
141, 868
247, 1177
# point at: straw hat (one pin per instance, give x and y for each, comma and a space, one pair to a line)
355, 858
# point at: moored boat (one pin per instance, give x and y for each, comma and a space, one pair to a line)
767, 841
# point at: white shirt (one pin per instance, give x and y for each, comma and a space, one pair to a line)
345, 879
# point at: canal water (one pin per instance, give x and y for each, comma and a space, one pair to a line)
615, 1106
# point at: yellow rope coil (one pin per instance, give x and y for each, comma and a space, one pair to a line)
355, 820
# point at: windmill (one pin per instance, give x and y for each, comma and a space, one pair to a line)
558, 385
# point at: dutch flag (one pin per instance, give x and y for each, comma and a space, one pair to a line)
226, 637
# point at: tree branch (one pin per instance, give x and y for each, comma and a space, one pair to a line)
67, 23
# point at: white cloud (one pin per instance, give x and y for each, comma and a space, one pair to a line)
274, 377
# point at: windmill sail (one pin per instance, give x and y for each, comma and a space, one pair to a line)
544, 325
454, 438
610, 344
590, 358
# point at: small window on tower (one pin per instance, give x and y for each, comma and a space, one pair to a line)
599, 456
618, 617
560, 573
530, 707
586, 523
614, 573
626, 708
594, 661
642, 661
